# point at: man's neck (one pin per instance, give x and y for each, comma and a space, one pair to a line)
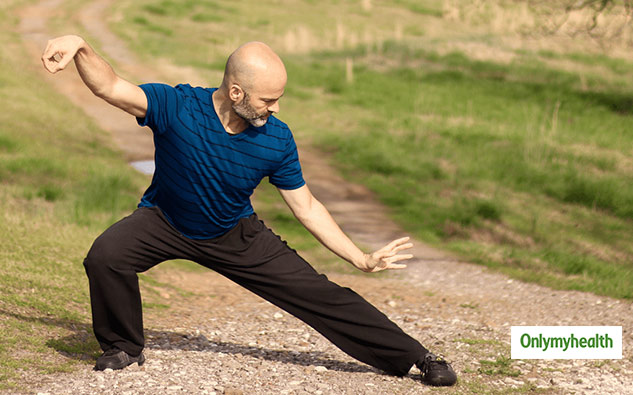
233, 123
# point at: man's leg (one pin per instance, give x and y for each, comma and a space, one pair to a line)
255, 258
132, 245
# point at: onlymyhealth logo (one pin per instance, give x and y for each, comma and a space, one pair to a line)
566, 342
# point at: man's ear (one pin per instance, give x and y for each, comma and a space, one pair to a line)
236, 93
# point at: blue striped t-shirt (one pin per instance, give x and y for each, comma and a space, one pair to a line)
205, 176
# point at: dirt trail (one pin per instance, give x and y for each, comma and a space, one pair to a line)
456, 308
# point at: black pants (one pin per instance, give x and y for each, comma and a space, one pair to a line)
254, 257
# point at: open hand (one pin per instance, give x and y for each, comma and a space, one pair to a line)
386, 257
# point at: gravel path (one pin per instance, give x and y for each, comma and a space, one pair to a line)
229, 341
224, 340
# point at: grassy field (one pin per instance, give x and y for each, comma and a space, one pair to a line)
513, 166
516, 156
59, 184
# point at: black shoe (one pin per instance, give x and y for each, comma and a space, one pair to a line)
436, 371
117, 359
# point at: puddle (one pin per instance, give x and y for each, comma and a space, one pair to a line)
144, 166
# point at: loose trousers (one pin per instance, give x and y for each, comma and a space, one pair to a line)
251, 255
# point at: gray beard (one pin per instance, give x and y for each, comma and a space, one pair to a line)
247, 113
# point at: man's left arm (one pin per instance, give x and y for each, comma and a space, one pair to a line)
317, 219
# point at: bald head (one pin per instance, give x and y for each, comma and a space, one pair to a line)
254, 65
254, 81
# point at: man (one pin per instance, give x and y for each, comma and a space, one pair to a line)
213, 147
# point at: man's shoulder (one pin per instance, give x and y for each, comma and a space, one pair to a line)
197, 92
182, 90
197, 100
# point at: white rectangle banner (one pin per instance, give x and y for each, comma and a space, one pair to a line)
566, 342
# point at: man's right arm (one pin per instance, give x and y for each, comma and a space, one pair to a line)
96, 73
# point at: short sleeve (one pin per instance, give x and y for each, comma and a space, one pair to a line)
288, 175
162, 106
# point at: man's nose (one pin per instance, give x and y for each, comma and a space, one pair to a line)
274, 108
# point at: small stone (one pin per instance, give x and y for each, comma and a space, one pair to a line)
320, 369
278, 316
512, 381
391, 303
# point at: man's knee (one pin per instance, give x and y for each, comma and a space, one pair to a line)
105, 254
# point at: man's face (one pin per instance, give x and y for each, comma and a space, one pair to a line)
256, 116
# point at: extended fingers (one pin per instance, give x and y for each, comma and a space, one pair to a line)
386, 257
388, 266
388, 261
392, 249
398, 245
399, 257
403, 247
398, 242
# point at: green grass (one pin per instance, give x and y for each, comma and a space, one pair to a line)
523, 166
273, 211
302, 26
490, 366
431, 8
479, 162
60, 185
501, 366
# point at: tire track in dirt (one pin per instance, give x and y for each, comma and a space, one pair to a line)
456, 300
